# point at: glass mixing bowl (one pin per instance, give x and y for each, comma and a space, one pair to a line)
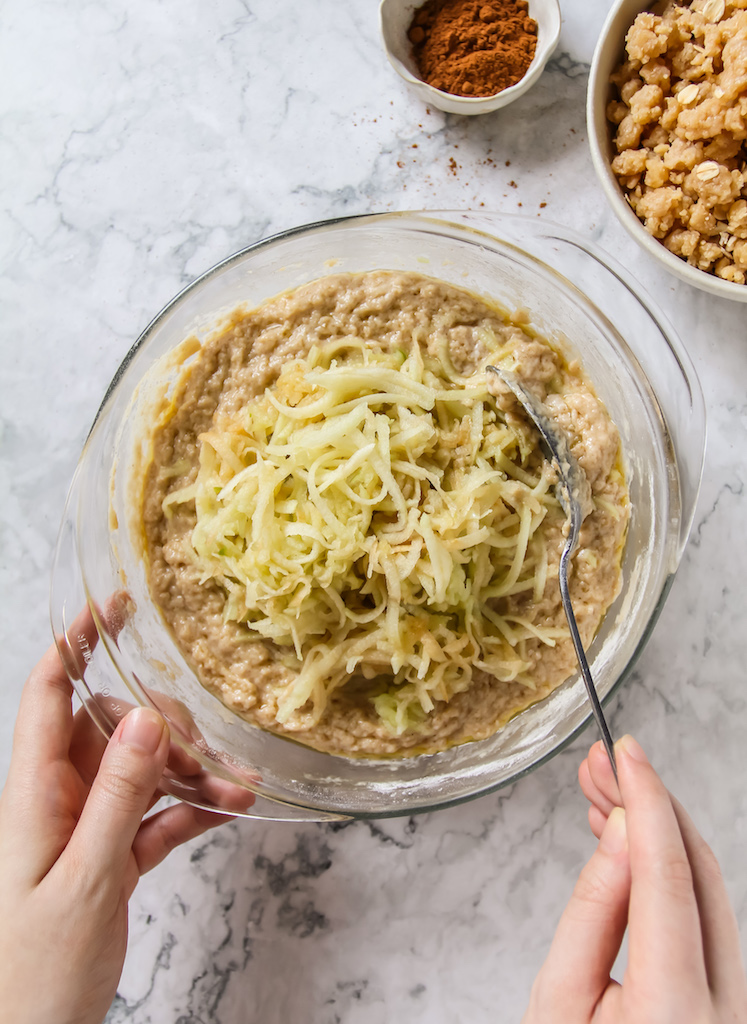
121, 654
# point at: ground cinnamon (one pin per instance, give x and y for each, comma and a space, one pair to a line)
473, 47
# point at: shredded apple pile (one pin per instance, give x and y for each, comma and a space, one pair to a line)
366, 515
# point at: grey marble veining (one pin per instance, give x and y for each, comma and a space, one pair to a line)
139, 144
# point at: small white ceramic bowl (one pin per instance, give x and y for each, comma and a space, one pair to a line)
395, 18
608, 54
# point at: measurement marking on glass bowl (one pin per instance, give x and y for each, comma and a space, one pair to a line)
85, 648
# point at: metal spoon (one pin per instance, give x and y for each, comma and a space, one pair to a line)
574, 494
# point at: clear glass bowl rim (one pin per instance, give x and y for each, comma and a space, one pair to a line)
443, 218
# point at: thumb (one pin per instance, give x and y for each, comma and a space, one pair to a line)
587, 941
128, 776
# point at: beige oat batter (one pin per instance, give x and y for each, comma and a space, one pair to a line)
385, 311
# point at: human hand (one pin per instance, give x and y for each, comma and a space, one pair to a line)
73, 845
653, 873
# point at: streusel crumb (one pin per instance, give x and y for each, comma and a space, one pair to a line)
680, 124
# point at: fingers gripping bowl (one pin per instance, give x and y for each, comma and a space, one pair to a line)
651, 395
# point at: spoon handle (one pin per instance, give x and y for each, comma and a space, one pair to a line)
591, 690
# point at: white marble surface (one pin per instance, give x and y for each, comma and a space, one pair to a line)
142, 142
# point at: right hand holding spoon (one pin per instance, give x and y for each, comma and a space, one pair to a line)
653, 873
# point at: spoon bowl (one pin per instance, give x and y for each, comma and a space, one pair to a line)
574, 494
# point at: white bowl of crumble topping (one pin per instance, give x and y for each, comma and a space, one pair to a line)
667, 121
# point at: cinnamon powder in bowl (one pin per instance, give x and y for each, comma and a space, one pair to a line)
469, 56
473, 47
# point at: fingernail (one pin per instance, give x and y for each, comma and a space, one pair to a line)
633, 749
143, 728
614, 838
